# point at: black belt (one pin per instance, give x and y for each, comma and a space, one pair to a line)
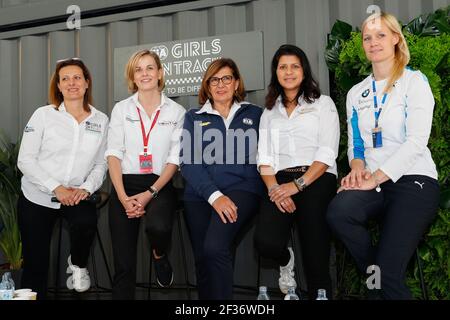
296, 169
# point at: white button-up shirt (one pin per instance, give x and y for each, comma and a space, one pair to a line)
125, 140
310, 133
405, 120
57, 150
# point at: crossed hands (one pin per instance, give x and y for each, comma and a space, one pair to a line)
281, 195
358, 179
70, 196
135, 205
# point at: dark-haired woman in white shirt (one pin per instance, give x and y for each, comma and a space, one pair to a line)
61, 155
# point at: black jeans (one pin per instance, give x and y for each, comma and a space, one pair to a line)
158, 221
273, 228
36, 224
405, 209
212, 241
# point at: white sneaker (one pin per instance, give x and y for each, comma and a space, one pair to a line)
287, 274
79, 280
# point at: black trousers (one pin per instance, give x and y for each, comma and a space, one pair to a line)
405, 209
36, 224
273, 230
212, 242
158, 221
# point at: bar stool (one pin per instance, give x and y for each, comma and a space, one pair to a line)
423, 286
187, 284
103, 198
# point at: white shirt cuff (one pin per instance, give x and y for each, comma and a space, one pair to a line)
51, 184
214, 196
325, 155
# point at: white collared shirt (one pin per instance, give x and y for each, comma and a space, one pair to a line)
57, 150
405, 121
207, 108
310, 133
125, 140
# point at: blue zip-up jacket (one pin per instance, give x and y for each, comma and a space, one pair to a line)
213, 158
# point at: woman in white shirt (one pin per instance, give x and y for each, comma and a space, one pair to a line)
297, 150
143, 156
61, 155
393, 177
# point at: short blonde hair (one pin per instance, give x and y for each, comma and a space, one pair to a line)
131, 67
402, 55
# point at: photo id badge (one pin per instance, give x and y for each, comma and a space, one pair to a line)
377, 138
145, 163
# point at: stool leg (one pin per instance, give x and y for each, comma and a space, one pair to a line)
58, 258
183, 253
297, 274
102, 250
258, 279
422, 280
150, 274
94, 267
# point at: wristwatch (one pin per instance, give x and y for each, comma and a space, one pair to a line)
153, 191
300, 184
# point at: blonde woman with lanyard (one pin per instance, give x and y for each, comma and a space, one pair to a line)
393, 176
143, 153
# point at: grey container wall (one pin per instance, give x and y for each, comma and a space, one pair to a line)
28, 56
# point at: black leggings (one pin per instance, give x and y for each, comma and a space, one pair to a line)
36, 224
158, 221
273, 227
405, 209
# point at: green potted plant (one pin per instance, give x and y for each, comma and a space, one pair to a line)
10, 242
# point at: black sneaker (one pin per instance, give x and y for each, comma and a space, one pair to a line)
164, 272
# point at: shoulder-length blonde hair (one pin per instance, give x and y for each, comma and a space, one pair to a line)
402, 55
131, 67
55, 96
204, 94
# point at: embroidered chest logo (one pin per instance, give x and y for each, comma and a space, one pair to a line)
93, 127
167, 123
203, 124
365, 93
247, 121
130, 119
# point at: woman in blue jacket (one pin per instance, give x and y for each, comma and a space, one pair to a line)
218, 161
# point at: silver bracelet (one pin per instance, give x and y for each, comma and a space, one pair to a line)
275, 186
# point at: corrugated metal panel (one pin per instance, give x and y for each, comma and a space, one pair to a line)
27, 60
302, 22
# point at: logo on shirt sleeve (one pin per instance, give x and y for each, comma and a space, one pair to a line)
28, 128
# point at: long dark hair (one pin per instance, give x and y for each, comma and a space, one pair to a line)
309, 87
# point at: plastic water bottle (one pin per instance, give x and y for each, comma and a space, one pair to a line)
291, 295
321, 294
263, 293
7, 287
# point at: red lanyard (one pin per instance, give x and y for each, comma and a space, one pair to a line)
145, 137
